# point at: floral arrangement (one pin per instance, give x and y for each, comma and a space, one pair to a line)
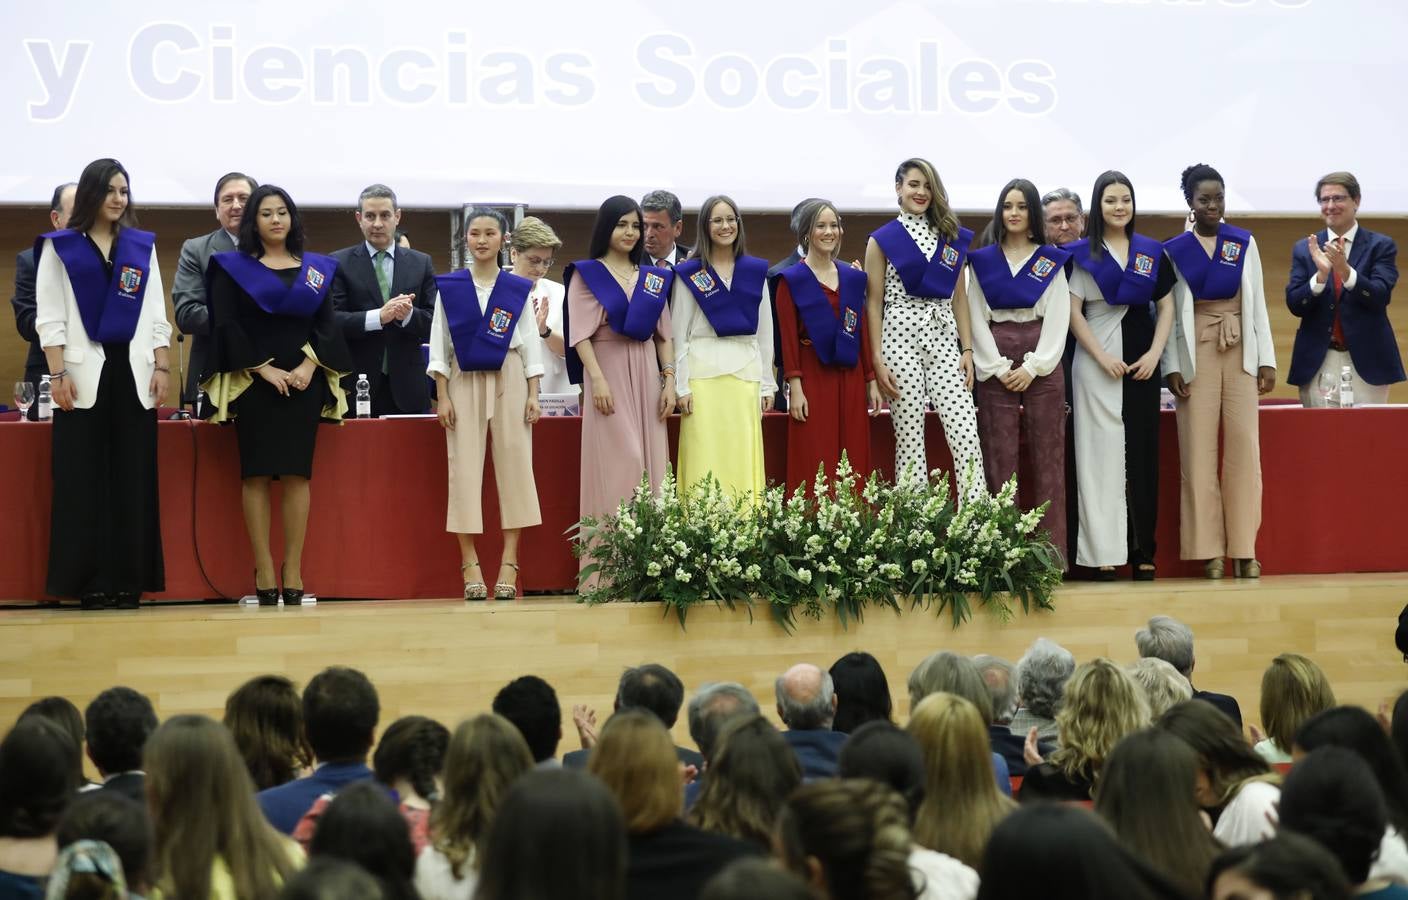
843, 547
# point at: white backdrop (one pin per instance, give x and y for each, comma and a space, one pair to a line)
561, 103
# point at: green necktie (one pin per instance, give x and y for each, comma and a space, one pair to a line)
385, 284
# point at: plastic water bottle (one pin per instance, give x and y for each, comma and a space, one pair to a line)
200, 402
46, 399
364, 397
1346, 388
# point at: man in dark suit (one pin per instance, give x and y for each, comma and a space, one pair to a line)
116, 725
663, 220
806, 703
655, 689
710, 709
24, 303
384, 298
232, 192
1170, 640
1341, 282
1000, 676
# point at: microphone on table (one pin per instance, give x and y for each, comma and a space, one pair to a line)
181, 412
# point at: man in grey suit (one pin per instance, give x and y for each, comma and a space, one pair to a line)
384, 297
188, 290
24, 302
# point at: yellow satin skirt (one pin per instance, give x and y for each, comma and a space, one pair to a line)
723, 435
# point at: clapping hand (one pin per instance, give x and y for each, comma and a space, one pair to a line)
1031, 751
584, 717
1319, 257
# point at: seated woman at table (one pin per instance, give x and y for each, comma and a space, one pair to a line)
487, 364
533, 247
100, 314
275, 360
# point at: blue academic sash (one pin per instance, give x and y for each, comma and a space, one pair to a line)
108, 305
634, 318
481, 336
732, 311
301, 299
935, 277
1132, 285
1218, 277
836, 339
1004, 290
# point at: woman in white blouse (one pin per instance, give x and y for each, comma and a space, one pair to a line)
485, 359
1021, 310
533, 248
722, 327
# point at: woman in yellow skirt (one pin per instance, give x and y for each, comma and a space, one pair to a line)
722, 324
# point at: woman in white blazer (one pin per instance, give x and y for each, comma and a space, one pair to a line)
101, 318
1219, 359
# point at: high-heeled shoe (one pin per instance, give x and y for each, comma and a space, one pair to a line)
291, 596
474, 590
505, 591
1246, 568
265, 596
1215, 568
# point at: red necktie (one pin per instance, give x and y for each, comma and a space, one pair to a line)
1336, 331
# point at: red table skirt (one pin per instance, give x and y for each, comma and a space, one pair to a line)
377, 523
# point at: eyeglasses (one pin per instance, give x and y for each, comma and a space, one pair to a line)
538, 262
1334, 198
1058, 221
727, 220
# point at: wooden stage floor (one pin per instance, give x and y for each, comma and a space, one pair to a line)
447, 658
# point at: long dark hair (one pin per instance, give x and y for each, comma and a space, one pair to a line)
1219, 744
606, 218
862, 692
752, 773
413, 748
249, 241
93, 191
1355, 729
363, 825
1095, 222
1288, 865
265, 716
1036, 216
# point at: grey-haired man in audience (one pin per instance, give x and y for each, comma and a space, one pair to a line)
1042, 673
1000, 676
709, 710
806, 703
1170, 640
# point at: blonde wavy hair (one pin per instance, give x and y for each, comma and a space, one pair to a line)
858, 830
1101, 704
1293, 689
533, 233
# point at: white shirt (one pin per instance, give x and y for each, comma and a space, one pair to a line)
938, 876
525, 338
1053, 307
436, 881
555, 379
388, 266
665, 262
1251, 816
1316, 285
701, 353
1392, 861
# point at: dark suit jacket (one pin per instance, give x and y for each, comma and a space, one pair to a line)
675, 862
1224, 702
132, 785
818, 751
284, 805
1010, 746
25, 311
188, 298
577, 759
355, 291
1363, 311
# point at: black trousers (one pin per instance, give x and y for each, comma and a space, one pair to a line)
105, 528
1141, 438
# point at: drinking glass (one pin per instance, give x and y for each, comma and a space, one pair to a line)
24, 397
1329, 386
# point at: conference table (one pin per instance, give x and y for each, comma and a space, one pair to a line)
1333, 480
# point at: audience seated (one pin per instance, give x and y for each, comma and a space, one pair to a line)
1170, 640
636, 760
753, 772
1042, 673
1293, 689
265, 714
208, 837
117, 723
340, 712
655, 689
960, 806
1235, 784
1355, 729
1164, 687
1000, 676
806, 704
363, 825
87, 870
62, 712
951, 673
1100, 706
1331, 796
117, 821
37, 782
486, 756
849, 840
1146, 794
755, 879
330, 878
567, 817
709, 710
530, 704
862, 692
1288, 866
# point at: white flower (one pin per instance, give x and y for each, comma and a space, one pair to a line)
804, 576
752, 573
652, 569
866, 563
937, 554
814, 544
682, 575
919, 567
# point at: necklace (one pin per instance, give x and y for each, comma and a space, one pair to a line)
628, 278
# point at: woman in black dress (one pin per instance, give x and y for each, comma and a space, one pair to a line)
276, 358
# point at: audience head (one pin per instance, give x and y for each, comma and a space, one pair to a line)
576, 816
270, 217
1042, 673
103, 198
1293, 688
920, 191
636, 759
1065, 218
849, 840
820, 223
62, 712
411, 755
1162, 684
1224, 758
1205, 192
486, 756
530, 704
265, 715
1167, 639
712, 706
86, 870
37, 765
1338, 196
884, 752
753, 771
806, 698
340, 712
232, 192
862, 692
953, 674
720, 225
118, 723
61, 204
653, 688
755, 879
118, 821
330, 878
378, 215
363, 825
1001, 679
1331, 797
1356, 729
1102, 704
618, 224
1288, 866
662, 218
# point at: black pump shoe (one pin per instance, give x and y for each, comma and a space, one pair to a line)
128, 599
292, 596
93, 601
265, 596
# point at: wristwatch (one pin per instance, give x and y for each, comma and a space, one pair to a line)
546, 332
